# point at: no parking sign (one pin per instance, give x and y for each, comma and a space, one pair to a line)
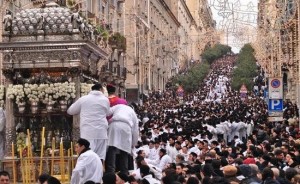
275, 88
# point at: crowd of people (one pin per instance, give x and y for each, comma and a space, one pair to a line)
212, 136
217, 136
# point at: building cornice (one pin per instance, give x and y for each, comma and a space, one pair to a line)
170, 12
188, 12
53, 45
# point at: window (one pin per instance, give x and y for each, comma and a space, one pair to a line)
89, 5
99, 6
112, 2
103, 10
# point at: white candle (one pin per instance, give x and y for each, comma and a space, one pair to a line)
26, 141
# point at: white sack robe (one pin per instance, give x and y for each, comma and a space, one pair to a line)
235, 128
93, 109
123, 129
88, 168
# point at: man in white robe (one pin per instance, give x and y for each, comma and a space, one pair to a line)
235, 128
88, 166
123, 135
243, 130
93, 110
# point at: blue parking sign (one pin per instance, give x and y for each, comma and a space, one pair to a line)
275, 105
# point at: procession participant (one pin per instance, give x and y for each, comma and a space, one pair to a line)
111, 178
146, 175
88, 166
123, 136
52, 180
43, 178
113, 98
4, 177
93, 110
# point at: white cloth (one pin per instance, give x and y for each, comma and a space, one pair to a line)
164, 161
250, 127
235, 128
153, 154
88, 168
123, 129
93, 109
172, 152
99, 146
243, 130
156, 171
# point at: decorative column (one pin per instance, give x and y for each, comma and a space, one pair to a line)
10, 130
75, 74
298, 55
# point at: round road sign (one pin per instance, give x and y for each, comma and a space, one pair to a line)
275, 83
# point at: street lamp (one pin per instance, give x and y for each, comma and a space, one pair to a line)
190, 62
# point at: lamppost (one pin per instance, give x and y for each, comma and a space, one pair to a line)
192, 61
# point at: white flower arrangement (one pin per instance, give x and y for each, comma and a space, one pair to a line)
65, 91
32, 92
85, 88
16, 92
46, 93
2, 91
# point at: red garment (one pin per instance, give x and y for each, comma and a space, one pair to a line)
114, 100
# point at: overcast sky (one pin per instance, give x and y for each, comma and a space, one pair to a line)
234, 17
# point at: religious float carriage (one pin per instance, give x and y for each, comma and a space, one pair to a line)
51, 56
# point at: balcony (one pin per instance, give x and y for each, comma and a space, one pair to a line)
117, 41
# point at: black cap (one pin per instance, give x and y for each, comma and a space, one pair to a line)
97, 86
109, 178
53, 180
83, 142
110, 89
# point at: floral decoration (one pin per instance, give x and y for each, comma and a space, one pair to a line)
16, 92
21, 141
45, 93
65, 91
85, 88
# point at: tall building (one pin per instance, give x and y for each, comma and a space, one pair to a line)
151, 32
277, 47
164, 37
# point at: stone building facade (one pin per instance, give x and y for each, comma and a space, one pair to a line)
164, 37
151, 32
277, 47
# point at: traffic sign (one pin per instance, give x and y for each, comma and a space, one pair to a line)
275, 88
270, 119
243, 89
275, 107
266, 95
275, 83
180, 91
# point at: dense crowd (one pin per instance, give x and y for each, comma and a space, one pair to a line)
212, 136
215, 136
